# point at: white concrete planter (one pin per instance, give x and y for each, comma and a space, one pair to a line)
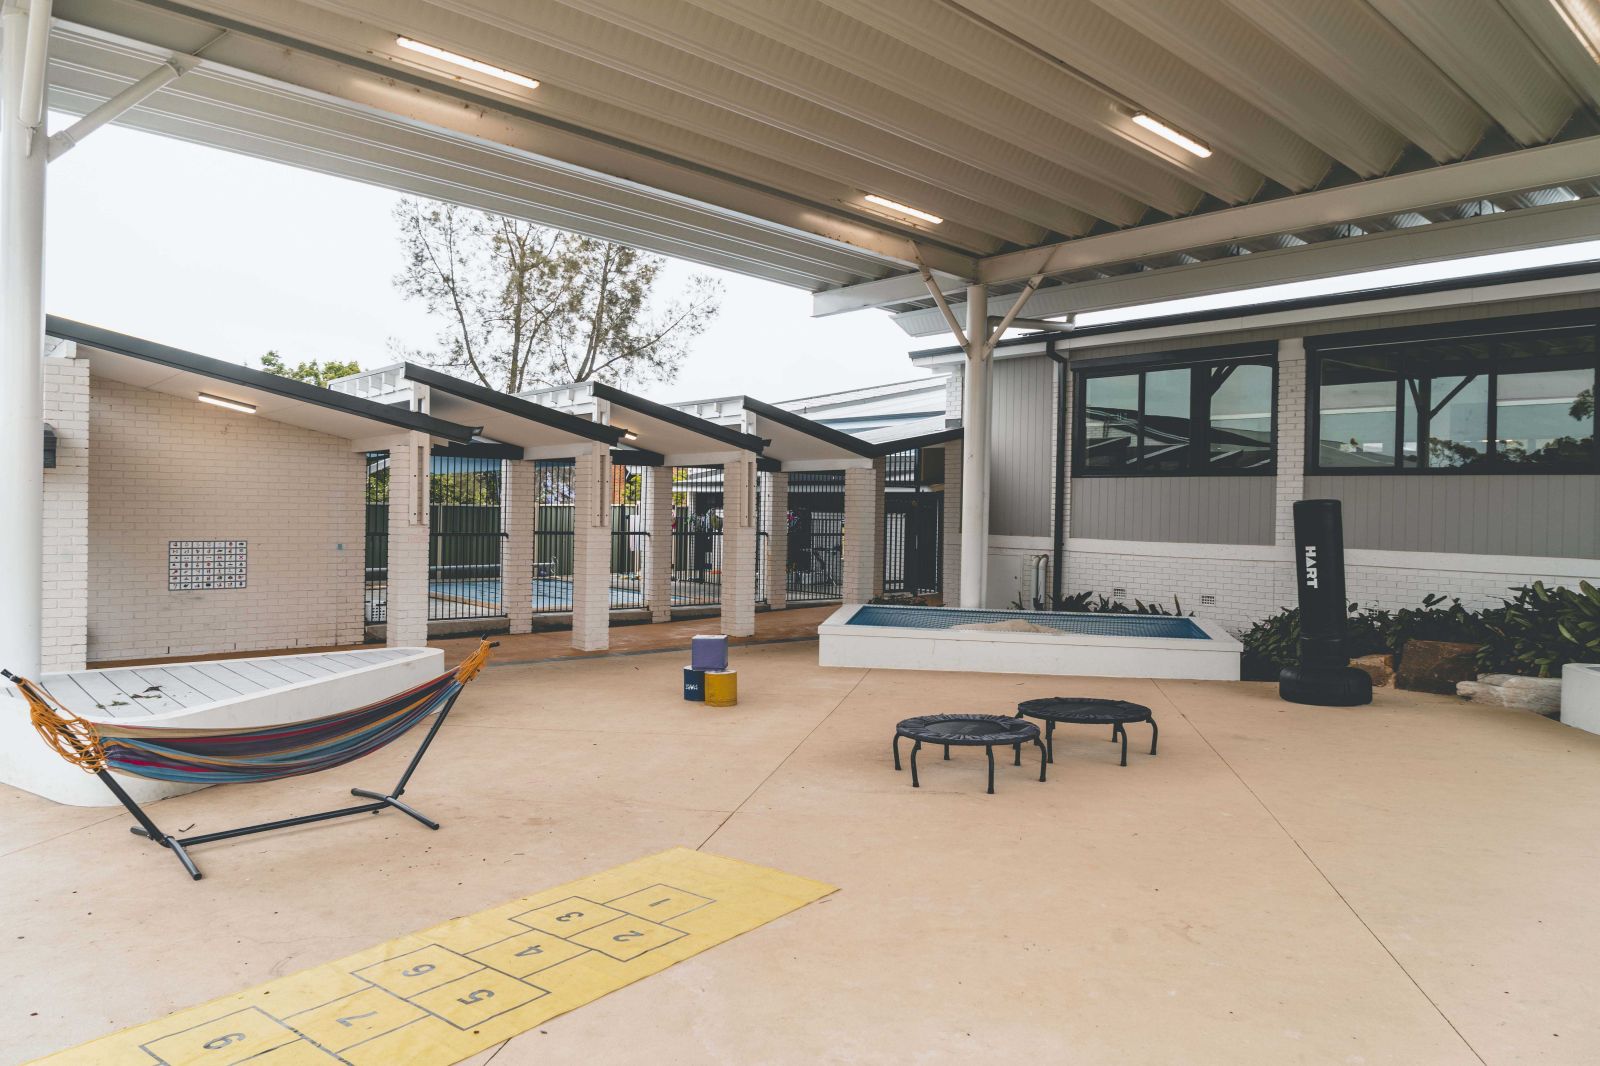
1580, 696
226, 693
1215, 657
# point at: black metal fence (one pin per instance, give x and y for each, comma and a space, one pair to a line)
815, 514
630, 540
696, 536
913, 523
466, 534
375, 582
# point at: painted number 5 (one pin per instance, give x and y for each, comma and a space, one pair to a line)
475, 997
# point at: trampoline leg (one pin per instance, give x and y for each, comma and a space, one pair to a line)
1018, 760
897, 752
990, 749
947, 753
914, 749
1116, 727
1050, 741
1124, 747
1042, 759
1155, 735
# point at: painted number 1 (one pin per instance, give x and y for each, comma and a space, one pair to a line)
350, 1021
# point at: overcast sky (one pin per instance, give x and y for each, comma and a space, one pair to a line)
230, 256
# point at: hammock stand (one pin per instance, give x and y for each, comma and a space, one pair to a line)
94, 748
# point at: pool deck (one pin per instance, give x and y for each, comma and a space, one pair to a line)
1410, 883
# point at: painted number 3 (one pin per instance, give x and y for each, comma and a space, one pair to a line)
222, 1041
569, 916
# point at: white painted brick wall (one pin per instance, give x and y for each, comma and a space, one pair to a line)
658, 561
951, 562
410, 460
165, 468
521, 506
739, 548
775, 520
863, 533
591, 550
64, 632
1291, 480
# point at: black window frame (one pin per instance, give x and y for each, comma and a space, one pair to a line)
1331, 345
1256, 353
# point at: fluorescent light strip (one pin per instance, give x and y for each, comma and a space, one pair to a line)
893, 205
466, 61
1161, 129
232, 405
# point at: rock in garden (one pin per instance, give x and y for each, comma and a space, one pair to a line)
1378, 667
1541, 695
1437, 665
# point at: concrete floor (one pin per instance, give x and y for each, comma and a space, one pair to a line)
1410, 883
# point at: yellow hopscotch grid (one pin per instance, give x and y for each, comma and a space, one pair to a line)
436, 997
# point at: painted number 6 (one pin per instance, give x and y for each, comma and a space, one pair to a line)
218, 1043
418, 970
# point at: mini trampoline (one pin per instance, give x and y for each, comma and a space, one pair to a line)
971, 731
1084, 710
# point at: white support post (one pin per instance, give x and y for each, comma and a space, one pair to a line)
658, 555
738, 586
975, 453
22, 192
516, 563
950, 590
591, 549
863, 533
406, 611
775, 521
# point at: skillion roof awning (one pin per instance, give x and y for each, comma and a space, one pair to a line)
531, 427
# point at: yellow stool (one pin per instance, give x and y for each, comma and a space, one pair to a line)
722, 688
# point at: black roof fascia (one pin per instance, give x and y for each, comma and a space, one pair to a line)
513, 405
811, 428
631, 456
1303, 303
674, 417
234, 374
481, 450
925, 440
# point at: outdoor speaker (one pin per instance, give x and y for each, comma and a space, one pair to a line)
1324, 676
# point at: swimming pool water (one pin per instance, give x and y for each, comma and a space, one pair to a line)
1097, 624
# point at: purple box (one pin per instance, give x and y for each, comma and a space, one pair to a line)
709, 653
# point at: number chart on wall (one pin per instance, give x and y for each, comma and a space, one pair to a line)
436, 997
207, 564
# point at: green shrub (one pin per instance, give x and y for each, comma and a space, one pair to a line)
1274, 642
1099, 604
1541, 630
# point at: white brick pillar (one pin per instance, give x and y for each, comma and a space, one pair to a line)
863, 532
950, 531
65, 618
1291, 480
1064, 429
516, 559
657, 507
738, 594
591, 549
775, 520
410, 459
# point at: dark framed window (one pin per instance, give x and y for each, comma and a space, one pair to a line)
1498, 397
1184, 414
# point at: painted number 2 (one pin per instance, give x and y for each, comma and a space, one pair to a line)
631, 934
475, 997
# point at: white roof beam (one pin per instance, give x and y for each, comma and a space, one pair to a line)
1568, 33
1026, 73
1379, 67
1538, 227
1552, 164
1484, 50
1088, 40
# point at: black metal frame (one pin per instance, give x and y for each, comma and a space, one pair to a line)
988, 750
179, 846
1323, 347
1254, 354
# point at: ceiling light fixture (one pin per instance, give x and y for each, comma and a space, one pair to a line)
895, 205
629, 434
466, 61
223, 401
1161, 129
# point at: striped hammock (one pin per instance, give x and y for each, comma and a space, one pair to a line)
252, 753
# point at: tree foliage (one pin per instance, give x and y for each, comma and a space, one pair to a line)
523, 305
309, 370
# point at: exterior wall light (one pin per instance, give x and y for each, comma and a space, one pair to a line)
1182, 140
894, 205
467, 61
223, 401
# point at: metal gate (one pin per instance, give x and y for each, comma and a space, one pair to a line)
913, 526
816, 537
630, 541
696, 536
466, 533
375, 582
552, 538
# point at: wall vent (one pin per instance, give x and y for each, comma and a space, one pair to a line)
1119, 594
1208, 601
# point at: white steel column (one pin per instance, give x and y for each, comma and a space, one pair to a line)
975, 408
658, 549
406, 595
516, 562
775, 520
22, 187
591, 549
738, 591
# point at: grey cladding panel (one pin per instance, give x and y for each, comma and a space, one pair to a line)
1188, 510
1024, 448
1551, 516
